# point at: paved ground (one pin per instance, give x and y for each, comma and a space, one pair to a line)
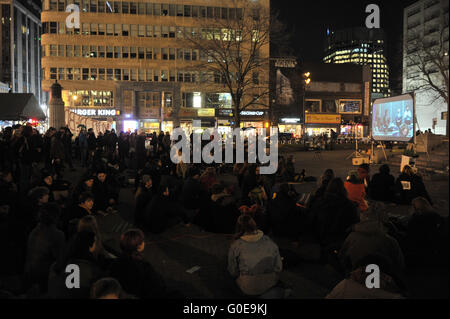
180, 248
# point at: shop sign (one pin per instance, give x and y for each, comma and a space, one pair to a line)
253, 113
323, 119
96, 112
184, 112
290, 120
225, 112
206, 112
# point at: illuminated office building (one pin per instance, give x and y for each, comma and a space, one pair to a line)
364, 47
129, 59
20, 48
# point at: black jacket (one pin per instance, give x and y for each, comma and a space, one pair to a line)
332, 218
381, 187
137, 277
416, 185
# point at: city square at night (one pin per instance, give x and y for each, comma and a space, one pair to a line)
224, 158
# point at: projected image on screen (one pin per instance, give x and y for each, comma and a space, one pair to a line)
393, 119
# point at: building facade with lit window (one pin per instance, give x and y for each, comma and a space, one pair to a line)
426, 23
130, 58
361, 46
337, 98
20, 49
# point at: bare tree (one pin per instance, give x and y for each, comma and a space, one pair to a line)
428, 62
235, 53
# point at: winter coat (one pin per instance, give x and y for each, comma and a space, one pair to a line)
256, 263
381, 187
45, 246
350, 289
89, 273
137, 277
410, 187
357, 193
369, 237
332, 218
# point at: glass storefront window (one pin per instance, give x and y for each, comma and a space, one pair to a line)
312, 106
350, 106
329, 106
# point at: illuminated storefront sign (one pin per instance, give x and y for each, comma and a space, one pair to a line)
96, 112
206, 112
290, 120
253, 113
323, 119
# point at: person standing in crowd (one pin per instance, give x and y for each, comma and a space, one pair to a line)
134, 274
67, 141
143, 196
83, 146
92, 145
124, 148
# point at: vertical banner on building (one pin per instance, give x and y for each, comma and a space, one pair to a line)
366, 98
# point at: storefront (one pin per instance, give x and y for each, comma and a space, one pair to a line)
149, 126
290, 125
318, 124
254, 118
354, 131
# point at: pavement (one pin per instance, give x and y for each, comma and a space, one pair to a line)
181, 248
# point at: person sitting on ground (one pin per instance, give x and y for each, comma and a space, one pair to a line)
162, 212
83, 208
143, 196
223, 209
427, 235
326, 177
192, 193
208, 179
355, 286
89, 223
79, 253
28, 213
104, 192
107, 288
45, 246
84, 186
364, 175
282, 213
253, 259
356, 190
409, 185
368, 237
334, 215
136, 275
382, 185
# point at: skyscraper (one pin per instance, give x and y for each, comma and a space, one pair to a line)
20, 54
361, 46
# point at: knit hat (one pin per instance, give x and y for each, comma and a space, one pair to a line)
353, 175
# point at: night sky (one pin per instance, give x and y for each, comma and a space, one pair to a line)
308, 22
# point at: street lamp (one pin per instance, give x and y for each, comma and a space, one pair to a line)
307, 79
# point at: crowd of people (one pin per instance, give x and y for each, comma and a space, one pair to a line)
49, 223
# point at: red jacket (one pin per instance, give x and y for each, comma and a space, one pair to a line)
357, 193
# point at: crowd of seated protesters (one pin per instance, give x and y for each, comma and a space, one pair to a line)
47, 223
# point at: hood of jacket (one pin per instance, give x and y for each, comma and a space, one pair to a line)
253, 238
